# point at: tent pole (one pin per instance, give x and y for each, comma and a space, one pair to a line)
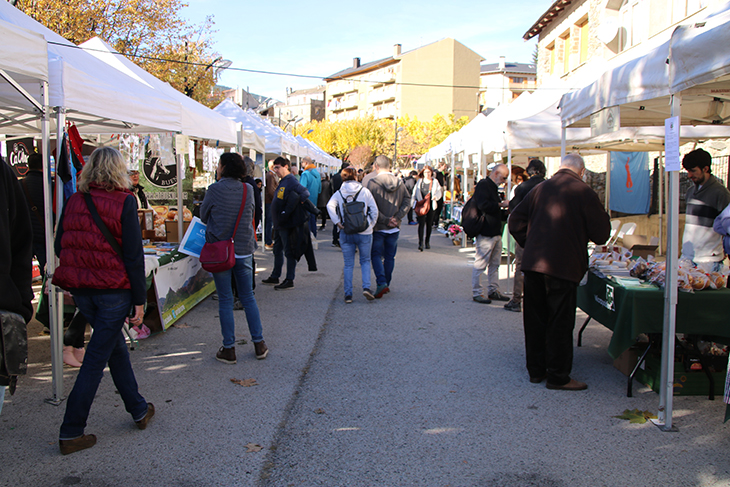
55, 295
563, 134
509, 237
607, 196
666, 382
180, 178
660, 200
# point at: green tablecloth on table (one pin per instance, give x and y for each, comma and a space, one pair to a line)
641, 310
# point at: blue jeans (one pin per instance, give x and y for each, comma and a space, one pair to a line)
385, 246
105, 313
243, 272
363, 243
281, 250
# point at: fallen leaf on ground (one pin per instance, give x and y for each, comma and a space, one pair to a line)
245, 382
636, 416
181, 325
253, 448
319, 411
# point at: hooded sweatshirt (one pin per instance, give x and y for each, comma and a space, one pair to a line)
700, 243
392, 197
347, 191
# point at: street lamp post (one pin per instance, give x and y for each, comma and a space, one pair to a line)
395, 144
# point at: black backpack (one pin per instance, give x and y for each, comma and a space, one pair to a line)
354, 219
472, 220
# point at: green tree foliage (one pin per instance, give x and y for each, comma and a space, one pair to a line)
146, 31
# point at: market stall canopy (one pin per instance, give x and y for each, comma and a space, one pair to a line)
22, 68
276, 141
198, 120
95, 96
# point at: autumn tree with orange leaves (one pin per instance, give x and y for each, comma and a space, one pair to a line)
149, 32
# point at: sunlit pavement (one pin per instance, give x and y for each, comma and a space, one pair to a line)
422, 387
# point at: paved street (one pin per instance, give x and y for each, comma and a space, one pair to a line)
421, 388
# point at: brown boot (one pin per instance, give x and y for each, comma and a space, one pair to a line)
573, 385
77, 444
142, 423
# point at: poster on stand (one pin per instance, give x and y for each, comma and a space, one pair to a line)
180, 286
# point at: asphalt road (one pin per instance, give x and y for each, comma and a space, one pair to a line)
421, 388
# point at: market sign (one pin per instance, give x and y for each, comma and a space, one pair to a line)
18, 152
605, 121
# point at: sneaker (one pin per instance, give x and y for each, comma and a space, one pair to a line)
226, 355
413, 223
142, 423
271, 280
513, 306
269, 247
261, 350
237, 304
334, 244
348, 299
286, 284
481, 299
497, 296
368, 294
77, 444
381, 290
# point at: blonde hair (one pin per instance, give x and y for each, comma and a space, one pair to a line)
106, 168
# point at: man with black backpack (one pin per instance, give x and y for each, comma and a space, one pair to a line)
489, 238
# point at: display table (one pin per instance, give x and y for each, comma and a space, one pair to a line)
631, 311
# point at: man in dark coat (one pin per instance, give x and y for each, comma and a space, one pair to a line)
553, 224
16, 273
32, 185
536, 170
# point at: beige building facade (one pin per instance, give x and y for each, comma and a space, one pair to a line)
571, 33
440, 78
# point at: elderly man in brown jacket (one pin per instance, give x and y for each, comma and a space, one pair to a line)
554, 223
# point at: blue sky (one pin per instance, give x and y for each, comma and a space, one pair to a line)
321, 38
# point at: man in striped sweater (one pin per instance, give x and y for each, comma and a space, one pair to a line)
705, 201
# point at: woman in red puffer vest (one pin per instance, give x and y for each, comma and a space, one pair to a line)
107, 284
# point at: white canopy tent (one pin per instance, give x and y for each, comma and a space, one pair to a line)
91, 94
275, 140
81, 89
197, 121
685, 77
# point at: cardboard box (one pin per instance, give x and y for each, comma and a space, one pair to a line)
628, 359
171, 230
639, 245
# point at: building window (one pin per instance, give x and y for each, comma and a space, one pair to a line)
583, 26
551, 51
517, 80
566, 51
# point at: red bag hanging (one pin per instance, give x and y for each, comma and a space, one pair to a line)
221, 256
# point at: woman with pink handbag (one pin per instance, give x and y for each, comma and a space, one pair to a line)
227, 203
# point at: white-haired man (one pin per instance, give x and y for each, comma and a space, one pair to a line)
553, 224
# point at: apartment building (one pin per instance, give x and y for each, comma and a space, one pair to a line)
573, 32
502, 82
437, 79
301, 106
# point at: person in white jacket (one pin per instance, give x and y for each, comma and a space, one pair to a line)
361, 241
